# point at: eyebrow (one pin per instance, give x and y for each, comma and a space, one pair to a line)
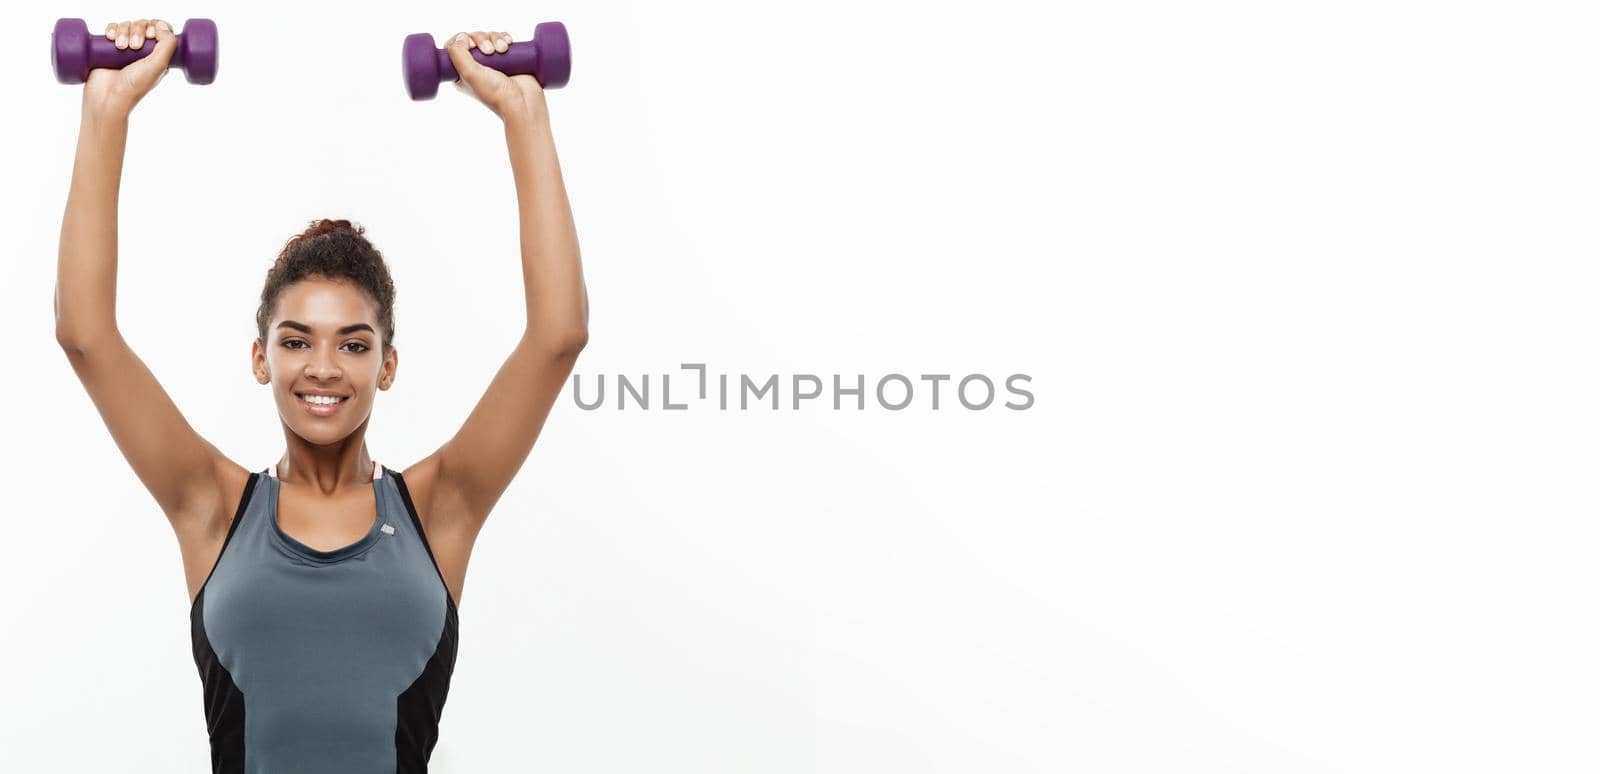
303, 328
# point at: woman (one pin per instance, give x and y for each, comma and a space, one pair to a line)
324, 588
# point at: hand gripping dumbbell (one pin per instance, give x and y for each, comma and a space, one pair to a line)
74, 52
548, 58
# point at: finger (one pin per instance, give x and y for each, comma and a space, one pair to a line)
136, 33
162, 25
111, 31
122, 35
501, 42
485, 42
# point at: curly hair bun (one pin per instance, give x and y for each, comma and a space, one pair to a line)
326, 226
335, 249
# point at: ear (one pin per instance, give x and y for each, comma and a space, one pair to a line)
258, 363
391, 363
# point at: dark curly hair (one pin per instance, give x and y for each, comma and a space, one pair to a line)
337, 250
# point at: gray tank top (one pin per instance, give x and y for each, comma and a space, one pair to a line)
324, 661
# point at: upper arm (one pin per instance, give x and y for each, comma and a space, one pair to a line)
182, 470
472, 469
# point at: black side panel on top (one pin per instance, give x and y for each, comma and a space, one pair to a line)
223, 701
419, 708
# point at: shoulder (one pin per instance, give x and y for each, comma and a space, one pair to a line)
214, 497
439, 502
204, 527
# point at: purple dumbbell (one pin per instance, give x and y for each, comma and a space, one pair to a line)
74, 52
548, 58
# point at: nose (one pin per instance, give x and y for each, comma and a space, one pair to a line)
322, 367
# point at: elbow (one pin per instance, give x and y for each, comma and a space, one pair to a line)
564, 345
76, 341
71, 350
573, 343
70, 343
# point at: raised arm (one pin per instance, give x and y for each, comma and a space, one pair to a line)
174, 463
471, 470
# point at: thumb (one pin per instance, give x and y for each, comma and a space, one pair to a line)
166, 44
460, 48
154, 65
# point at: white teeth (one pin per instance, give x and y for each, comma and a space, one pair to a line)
321, 400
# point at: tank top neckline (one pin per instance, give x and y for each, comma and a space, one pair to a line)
377, 470
360, 546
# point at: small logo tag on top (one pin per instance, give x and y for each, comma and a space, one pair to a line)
388, 529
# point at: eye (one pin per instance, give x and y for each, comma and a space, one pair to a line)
363, 347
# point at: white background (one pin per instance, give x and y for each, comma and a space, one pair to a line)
1306, 292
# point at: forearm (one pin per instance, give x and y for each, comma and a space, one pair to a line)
86, 273
557, 302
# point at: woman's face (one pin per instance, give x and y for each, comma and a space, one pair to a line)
324, 338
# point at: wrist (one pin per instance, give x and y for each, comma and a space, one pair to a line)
529, 111
108, 115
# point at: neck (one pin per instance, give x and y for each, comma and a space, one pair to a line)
327, 473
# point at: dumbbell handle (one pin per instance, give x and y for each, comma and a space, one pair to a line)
519, 58
104, 53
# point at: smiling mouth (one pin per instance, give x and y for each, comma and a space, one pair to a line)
321, 409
